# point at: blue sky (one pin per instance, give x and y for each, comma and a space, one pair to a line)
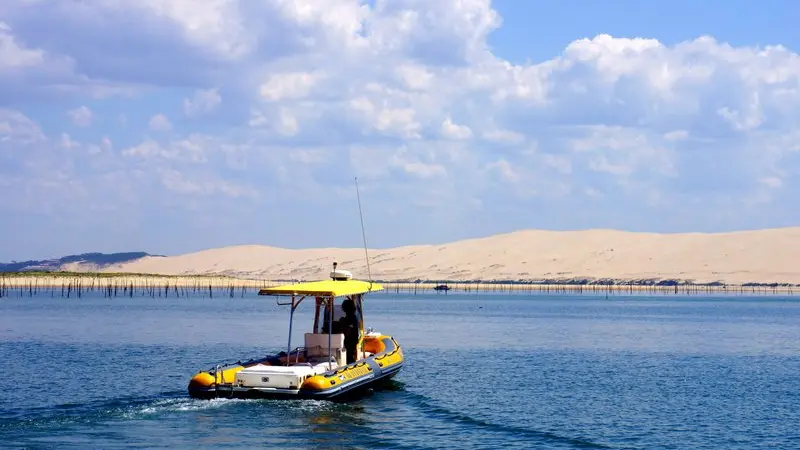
172, 127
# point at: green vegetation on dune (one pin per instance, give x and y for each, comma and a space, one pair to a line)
46, 265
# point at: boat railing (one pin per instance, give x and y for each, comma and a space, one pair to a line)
321, 357
303, 351
297, 353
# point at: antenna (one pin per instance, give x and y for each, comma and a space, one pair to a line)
363, 233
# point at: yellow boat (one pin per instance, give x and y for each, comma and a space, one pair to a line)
324, 367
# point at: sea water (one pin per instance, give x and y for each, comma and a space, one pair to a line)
482, 371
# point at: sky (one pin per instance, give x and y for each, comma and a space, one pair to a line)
172, 127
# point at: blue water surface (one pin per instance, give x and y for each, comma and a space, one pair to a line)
482, 371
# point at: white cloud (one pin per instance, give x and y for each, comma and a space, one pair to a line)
81, 116
190, 150
773, 182
176, 181
505, 170
385, 120
451, 130
160, 122
621, 151
67, 142
214, 25
13, 55
289, 86
415, 77
16, 128
408, 95
414, 163
504, 136
561, 164
30, 71
203, 102
106, 144
677, 135
288, 125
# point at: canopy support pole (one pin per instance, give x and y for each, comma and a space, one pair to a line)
289, 344
330, 330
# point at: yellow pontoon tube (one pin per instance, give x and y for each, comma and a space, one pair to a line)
338, 357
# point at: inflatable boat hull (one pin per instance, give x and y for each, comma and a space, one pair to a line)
272, 378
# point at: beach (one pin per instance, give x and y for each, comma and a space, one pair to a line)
767, 256
524, 261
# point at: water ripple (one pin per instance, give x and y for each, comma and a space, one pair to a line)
505, 372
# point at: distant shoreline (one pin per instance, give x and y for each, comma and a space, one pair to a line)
155, 282
760, 258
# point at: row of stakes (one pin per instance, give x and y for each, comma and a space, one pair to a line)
77, 288
129, 289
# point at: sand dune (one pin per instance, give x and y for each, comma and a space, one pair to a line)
764, 256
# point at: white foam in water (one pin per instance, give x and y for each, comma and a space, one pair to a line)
187, 404
177, 404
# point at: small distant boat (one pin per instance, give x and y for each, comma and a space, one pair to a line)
321, 368
441, 287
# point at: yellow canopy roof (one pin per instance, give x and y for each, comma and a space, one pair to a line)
326, 288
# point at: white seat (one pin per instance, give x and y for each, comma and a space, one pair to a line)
316, 345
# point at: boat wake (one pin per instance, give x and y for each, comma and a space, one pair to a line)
124, 408
429, 408
317, 413
167, 405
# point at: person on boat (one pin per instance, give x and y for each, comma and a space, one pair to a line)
350, 325
326, 321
